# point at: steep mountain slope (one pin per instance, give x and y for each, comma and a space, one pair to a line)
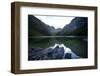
37, 28
78, 26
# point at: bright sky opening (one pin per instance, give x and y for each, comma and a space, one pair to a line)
55, 21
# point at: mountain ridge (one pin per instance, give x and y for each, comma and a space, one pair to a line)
78, 26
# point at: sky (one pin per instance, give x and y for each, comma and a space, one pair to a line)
55, 21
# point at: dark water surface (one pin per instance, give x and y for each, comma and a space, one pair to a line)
39, 48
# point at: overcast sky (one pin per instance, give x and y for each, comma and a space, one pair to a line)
55, 21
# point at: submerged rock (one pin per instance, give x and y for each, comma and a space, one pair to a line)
68, 56
58, 52
51, 53
33, 53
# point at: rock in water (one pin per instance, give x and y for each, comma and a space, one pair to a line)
51, 53
47, 54
33, 53
68, 56
58, 52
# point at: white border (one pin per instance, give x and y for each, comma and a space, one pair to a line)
25, 64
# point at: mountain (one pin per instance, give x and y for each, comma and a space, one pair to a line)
37, 28
78, 26
55, 31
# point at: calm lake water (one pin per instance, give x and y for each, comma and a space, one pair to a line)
39, 45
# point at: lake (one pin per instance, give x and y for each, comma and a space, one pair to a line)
57, 47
